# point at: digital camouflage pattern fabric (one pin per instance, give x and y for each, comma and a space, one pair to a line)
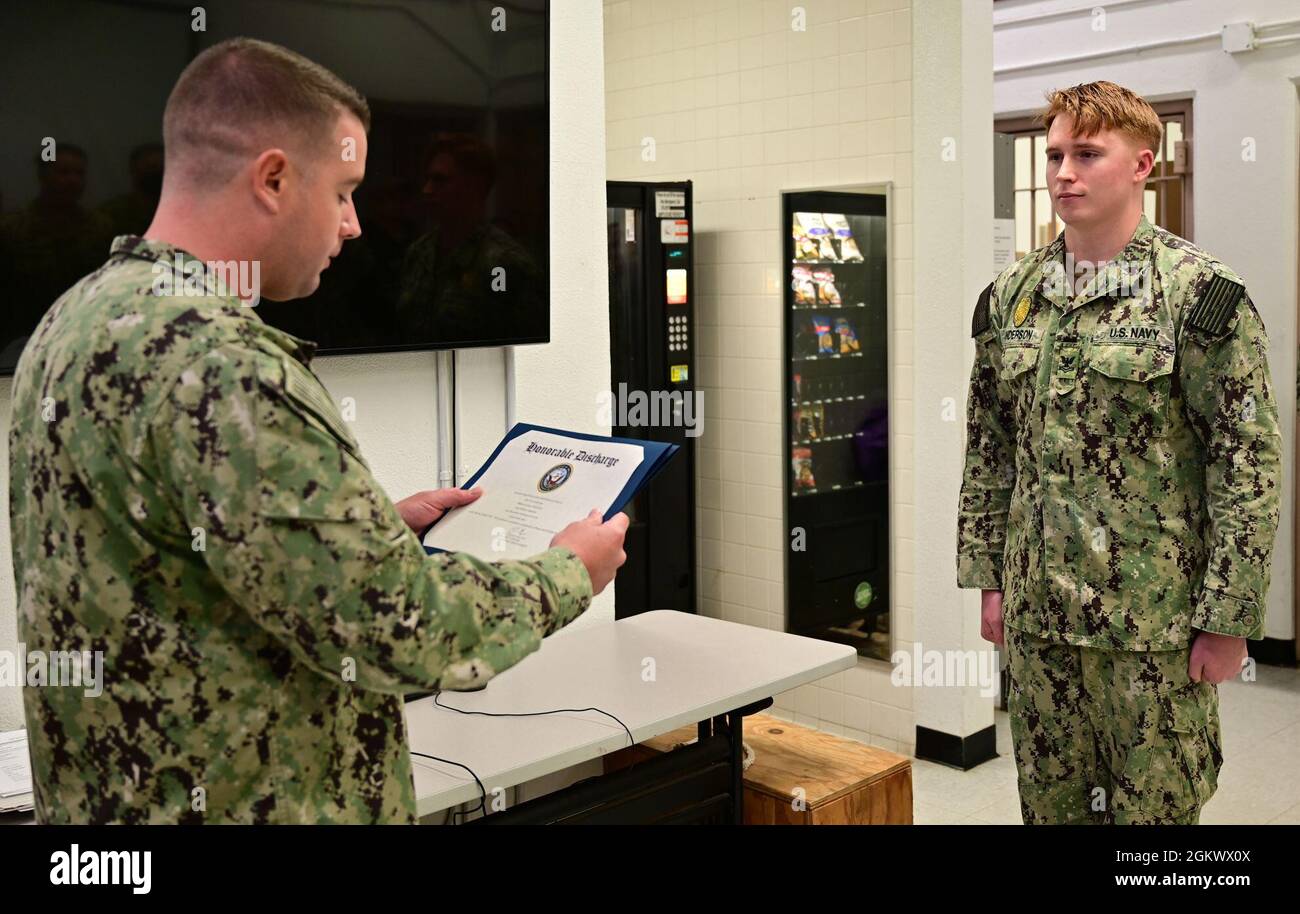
186, 498
1123, 464
1110, 737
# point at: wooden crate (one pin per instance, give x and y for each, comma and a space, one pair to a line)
843, 782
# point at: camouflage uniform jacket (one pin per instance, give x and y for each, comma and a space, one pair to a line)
186, 498
1123, 459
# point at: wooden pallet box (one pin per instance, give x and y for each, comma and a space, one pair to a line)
802, 776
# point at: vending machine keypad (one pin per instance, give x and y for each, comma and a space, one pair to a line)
678, 333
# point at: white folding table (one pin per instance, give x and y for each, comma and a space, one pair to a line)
655, 672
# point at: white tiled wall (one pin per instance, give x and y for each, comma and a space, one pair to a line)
737, 100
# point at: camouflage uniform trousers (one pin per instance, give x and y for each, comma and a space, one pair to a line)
1110, 737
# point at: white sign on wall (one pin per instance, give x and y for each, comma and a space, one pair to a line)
1004, 244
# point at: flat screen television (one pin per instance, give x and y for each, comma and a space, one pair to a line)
456, 175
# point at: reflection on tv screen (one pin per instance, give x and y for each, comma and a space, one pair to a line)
454, 209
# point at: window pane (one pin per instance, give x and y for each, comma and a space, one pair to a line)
1040, 160
1173, 134
1042, 218
1149, 205
1023, 177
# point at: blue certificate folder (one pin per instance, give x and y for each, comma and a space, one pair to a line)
657, 455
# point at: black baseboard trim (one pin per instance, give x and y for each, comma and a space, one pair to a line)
1273, 651
964, 752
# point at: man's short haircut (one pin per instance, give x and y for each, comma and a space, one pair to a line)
243, 96
1103, 105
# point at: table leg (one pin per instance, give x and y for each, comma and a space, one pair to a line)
733, 725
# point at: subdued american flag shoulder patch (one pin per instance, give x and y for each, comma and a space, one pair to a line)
1217, 305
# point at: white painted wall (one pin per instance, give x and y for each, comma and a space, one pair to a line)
396, 394
746, 106
953, 103
1246, 213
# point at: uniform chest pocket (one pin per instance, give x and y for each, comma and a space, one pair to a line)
1018, 375
1128, 389
1016, 361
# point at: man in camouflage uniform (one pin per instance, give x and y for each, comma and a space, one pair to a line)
1121, 489
448, 289
186, 498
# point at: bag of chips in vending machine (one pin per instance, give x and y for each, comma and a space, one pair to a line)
815, 228
839, 227
848, 339
825, 340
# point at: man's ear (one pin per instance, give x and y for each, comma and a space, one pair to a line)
270, 176
1146, 161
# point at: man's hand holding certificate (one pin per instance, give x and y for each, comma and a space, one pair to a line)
533, 487
598, 544
545, 487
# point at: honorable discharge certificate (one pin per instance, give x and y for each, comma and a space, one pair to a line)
537, 485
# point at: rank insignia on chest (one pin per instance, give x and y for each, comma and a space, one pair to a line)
1021, 313
1067, 367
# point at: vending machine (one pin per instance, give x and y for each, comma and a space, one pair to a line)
836, 392
652, 375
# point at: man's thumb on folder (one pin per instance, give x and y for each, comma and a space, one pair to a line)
598, 545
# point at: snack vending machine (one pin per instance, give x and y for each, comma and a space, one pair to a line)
837, 418
652, 377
